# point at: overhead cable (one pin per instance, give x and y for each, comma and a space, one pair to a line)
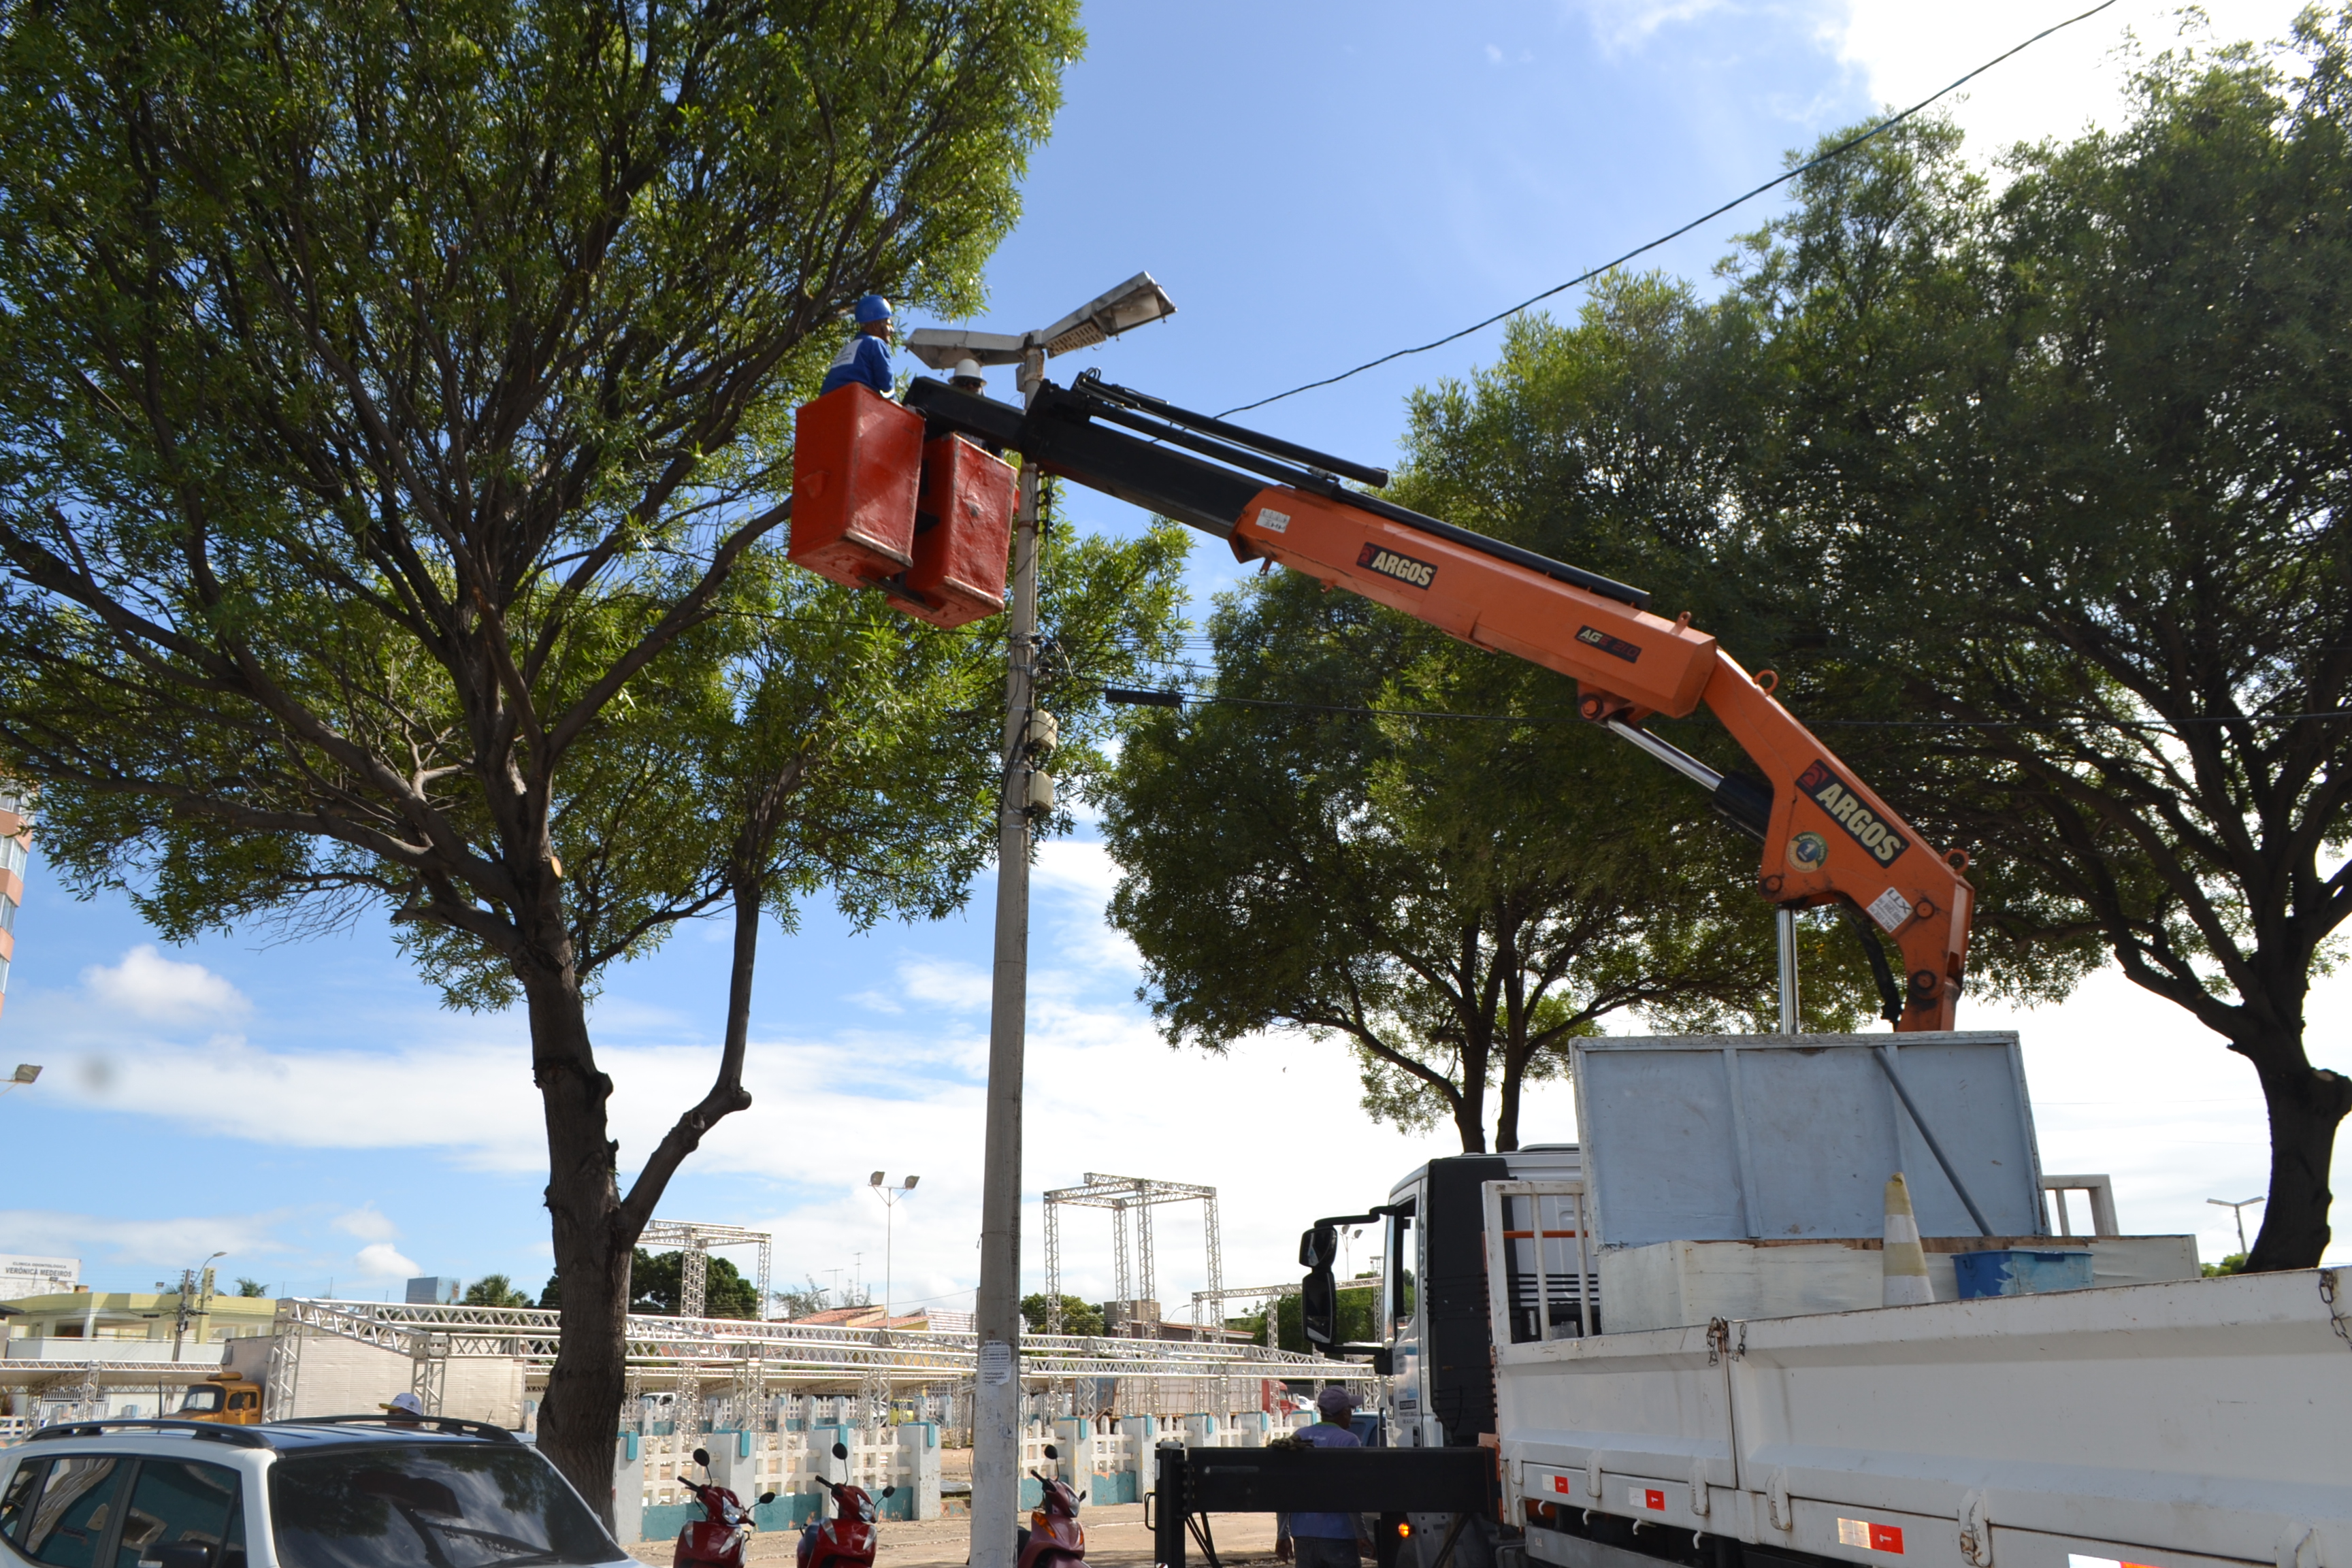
1586, 276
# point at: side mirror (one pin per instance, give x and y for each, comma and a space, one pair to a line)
1052, 1452
889, 1491
841, 1450
1320, 1247
1318, 1308
1082, 1496
767, 1497
702, 1457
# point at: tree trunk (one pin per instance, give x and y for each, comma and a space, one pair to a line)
2305, 1105
576, 1425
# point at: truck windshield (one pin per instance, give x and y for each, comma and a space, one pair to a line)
388, 1506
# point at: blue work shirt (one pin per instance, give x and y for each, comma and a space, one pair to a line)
861, 359
1325, 1525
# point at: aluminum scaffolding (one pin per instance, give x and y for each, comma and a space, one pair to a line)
694, 1241
1120, 1194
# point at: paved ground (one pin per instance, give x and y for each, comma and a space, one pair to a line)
1115, 1539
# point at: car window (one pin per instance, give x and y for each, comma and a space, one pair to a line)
69, 1519
442, 1505
178, 1500
16, 1501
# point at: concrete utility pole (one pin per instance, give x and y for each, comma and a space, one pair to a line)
996, 1306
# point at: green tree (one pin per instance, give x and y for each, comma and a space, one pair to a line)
251, 1289
2068, 464
496, 1291
654, 1287
1358, 1320
1455, 901
1078, 1317
396, 413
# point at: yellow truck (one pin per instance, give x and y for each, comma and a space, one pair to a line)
225, 1397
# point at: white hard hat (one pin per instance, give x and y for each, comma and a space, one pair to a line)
966, 368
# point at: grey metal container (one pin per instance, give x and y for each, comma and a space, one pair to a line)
1738, 1137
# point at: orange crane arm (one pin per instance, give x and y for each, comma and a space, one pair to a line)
1827, 838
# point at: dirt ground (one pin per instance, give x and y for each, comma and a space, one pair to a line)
1115, 1539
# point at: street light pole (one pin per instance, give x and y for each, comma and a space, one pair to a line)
996, 1306
890, 1196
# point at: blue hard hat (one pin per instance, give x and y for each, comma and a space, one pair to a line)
873, 308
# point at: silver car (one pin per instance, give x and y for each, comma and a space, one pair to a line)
352, 1491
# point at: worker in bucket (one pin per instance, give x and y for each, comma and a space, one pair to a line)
966, 377
865, 357
1325, 1539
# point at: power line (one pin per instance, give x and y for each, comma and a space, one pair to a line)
1839, 150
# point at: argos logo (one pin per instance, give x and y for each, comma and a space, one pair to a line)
1403, 568
1845, 808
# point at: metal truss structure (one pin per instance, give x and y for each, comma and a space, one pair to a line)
1119, 1195
724, 1350
1234, 1294
694, 1241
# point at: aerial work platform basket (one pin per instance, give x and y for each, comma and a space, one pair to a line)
963, 528
876, 506
856, 457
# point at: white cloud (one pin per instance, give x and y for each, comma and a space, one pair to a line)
1620, 24
378, 1260
155, 989
961, 986
1903, 50
165, 1245
368, 1224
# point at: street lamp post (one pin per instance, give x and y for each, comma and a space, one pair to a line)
889, 1196
997, 1395
192, 1279
2238, 1213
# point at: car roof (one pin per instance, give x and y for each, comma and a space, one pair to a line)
307, 1434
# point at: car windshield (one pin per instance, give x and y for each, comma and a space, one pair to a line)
429, 1506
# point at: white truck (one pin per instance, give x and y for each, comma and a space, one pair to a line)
1664, 1345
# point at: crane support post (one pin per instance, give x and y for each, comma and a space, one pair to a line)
1827, 838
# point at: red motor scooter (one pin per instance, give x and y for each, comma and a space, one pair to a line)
720, 1538
1053, 1539
846, 1539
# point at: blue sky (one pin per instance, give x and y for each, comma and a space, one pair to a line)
1313, 183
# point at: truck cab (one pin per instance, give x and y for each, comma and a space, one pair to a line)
225, 1398
1437, 1334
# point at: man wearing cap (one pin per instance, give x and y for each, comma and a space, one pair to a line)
1324, 1540
865, 357
405, 1409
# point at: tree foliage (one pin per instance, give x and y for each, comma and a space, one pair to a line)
1078, 1317
496, 1291
394, 432
2034, 497
655, 1286
1456, 901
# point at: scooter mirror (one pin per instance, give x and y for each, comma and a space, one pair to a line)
1052, 1452
889, 1491
702, 1457
1082, 1496
841, 1450
767, 1497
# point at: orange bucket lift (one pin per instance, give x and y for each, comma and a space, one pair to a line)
876, 506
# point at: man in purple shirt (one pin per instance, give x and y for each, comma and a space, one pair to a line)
1324, 1540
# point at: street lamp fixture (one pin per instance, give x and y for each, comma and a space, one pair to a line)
2238, 1213
996, 1439
1134, 303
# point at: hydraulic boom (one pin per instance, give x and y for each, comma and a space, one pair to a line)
1827, 839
